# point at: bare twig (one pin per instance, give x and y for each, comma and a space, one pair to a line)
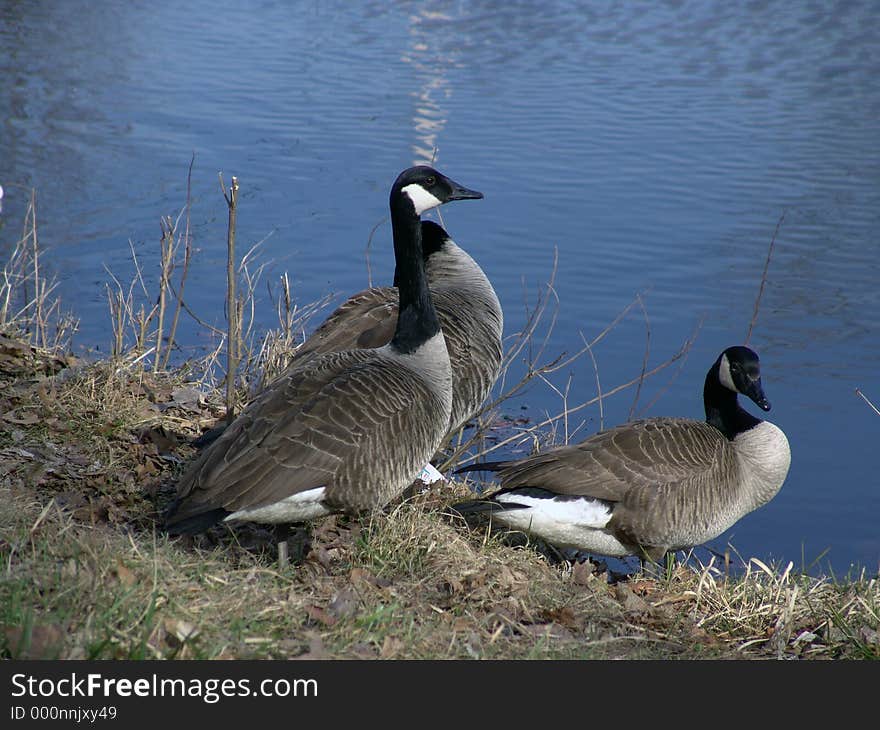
166, 260
764, 278
676, 373
39, 324
367, 250
635, 402
563, 396
187, 257
599, 384
865, 398
231, 302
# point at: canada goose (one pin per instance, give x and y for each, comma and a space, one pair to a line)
654, 485
467, 306
345, 431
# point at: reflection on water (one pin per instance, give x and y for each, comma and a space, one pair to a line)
429, 117
655, 146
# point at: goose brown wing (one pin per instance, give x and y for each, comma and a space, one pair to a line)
311, 428
638, 455
365, 320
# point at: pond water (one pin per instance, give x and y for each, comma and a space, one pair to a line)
654, 147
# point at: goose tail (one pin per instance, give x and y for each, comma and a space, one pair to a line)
482, 466
475, 507
194, 524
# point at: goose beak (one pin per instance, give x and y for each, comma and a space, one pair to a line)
755, 392
459, 192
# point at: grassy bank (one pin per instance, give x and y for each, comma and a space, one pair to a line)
89, 456
88, 459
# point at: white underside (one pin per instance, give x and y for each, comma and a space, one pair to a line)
296, 508
575, 523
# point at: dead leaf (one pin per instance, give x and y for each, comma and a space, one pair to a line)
344, 603
582, 574
316, 648
644, 587
179, 631
869, 635
564, 616
359, 576
28, 418
547, 631
187, 397
93, 511
631, 602
318, 615
42, 642
450, 586
390, 647
161, 440
46, 397
126, 577
364, 649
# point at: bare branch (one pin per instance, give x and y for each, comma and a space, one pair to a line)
632, 409
187, 257
763, 278
865, 398
367, 250
232, 342
599, 384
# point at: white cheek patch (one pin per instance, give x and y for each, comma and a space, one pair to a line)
421, 198
724, 374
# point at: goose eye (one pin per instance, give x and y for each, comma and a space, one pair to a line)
430, 180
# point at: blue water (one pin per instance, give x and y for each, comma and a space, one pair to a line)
654, 146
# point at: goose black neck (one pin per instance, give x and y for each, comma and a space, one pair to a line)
723, 409
417, 319
433, 240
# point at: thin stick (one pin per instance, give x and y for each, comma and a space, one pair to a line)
599, 384
166, 253
231, 302
674, 375
865, 398
39, 325
187, 256
367, 250
764, 278
632, 409
24, 239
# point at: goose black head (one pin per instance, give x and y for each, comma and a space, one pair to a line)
739, 370
426, 188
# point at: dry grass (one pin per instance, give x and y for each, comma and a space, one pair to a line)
88, 463
29, 307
